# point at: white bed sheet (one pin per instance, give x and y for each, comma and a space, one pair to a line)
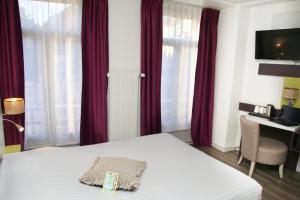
175, 171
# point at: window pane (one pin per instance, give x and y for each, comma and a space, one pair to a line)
181, 25
52, 56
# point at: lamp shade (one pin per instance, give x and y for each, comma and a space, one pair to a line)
14, 106
290, 93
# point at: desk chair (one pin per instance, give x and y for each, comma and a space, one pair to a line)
260, 149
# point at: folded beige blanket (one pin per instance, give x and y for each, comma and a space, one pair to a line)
129, 171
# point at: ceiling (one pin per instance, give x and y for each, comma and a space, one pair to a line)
253, 2
220, 4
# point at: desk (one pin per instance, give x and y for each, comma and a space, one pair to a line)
266, 122
282, 133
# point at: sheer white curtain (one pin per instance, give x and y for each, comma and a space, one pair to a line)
181, 24
52, 54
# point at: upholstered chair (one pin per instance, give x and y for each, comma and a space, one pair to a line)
260, 149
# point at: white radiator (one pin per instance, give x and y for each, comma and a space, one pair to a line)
123, 105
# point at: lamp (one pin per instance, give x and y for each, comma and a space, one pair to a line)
291, 94
14, 106
19, 127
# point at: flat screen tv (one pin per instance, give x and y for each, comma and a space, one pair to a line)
282, 44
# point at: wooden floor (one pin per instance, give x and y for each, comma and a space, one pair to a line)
274, 188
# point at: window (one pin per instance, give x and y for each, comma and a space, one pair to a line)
181, 25
52, 58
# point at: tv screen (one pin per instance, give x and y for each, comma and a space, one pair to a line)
283, 44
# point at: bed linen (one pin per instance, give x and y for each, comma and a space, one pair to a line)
175, 171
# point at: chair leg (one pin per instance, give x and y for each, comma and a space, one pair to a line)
240, 160
251, 168
281, 171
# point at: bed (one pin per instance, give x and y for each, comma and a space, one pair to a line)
175, 171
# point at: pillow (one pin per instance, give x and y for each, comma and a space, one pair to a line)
129, 171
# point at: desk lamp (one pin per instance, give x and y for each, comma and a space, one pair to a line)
291, 94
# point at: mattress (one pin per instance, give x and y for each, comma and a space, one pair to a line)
174, 171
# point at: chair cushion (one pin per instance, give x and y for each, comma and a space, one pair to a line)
271, 152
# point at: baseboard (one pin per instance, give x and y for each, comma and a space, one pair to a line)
224, 149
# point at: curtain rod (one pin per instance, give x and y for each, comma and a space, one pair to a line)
180, 2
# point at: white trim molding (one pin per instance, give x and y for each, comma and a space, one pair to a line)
224, 149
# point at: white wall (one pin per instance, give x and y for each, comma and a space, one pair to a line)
237, 78
124, 41
236, 69
124, 67
227, 32
260, 89
232, 32
242, 34
124, 35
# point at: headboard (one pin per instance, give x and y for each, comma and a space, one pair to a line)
2, 143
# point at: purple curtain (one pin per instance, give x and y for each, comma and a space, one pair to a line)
94, 38
203, 103
11, 65
151, 58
